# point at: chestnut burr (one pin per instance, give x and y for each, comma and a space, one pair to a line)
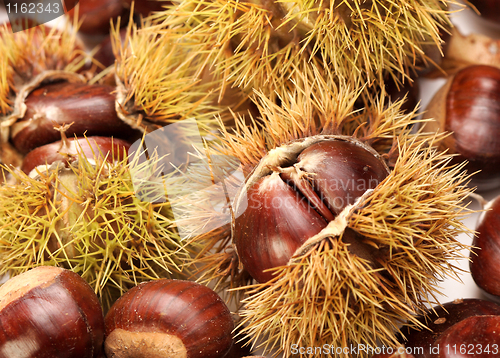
91, 148
467, 107
485, 255
50, 312
90, 109
169, 319
299, 197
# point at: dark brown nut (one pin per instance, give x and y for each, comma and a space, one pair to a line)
50, 312
467, 106
445, 324
295, 202
91, 148
91, 109
146, 7
489, 9
473, 337
169, 319
96, 15
485, 255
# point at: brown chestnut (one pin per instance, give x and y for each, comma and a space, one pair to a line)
170, 319
146, 7
105, 54
96, 15
449, 331
468, 107
301, 192
50, 312
485, 254
90, 109
489, 9
91, 148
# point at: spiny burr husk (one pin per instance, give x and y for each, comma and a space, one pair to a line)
28, 58
329, 291
159, 80
259, 44
86, 216
28, 53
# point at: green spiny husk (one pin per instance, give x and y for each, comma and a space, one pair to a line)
87, 218
261, 44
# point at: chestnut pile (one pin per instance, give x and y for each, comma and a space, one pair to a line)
52, 312
346, 222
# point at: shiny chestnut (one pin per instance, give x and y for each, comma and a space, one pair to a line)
50, 312
95, 15
468, 107
298, 191
90, 109
69, 150
170, 319
485, 255
105, 54
489, 9
146, 7
462, 328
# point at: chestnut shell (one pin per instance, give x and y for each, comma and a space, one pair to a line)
444, 318
59, 316
485, 255
468, 106
489, 9
184, 309
295, 202
91, 148
91, 109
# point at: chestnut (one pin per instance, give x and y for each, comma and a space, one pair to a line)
467, 106
168, 318
104, 54
408, 90
488, 9
485, 255
457, 329
304, 190
96, 15
90, 109
146, 7
91, 148
50, 312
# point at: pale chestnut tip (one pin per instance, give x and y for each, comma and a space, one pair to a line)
50, 312
168, 319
